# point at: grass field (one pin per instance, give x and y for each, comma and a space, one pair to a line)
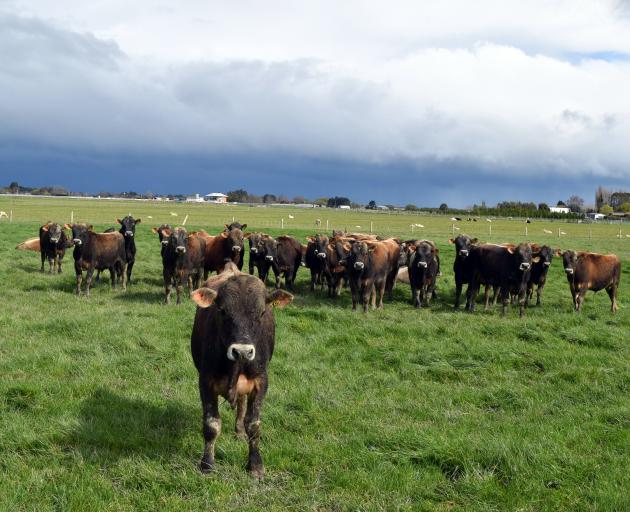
399, 409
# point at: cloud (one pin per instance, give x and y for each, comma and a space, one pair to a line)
509, 88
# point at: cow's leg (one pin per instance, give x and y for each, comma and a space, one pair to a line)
129, 269
430, 292
380, 288
522, 301
539, 290
252, 428
88, 280
51, 262
471, 296
123, 275
505, 299
241, 408
458, 293
59, 264
168, 282
579, 299
43, 255
181, 278
313, 279
211, 423
79, 274
612, 293
486, 298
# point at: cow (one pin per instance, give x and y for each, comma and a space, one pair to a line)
232, 344
368, 265
423, 267
161, 237
52, 245
507, 267
97, 251
335, 269
128, 231
591, 271
224, 247
315, 258
256, 256
538, 274
461, 268
285, 255
182, 261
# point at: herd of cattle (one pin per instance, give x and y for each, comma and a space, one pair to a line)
367, 263
233, 334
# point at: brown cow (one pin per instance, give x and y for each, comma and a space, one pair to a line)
368, 265
182, 261
285, 255
224, 247
232, 343
591, 271
97, 251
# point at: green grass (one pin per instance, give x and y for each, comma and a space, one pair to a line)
398, 409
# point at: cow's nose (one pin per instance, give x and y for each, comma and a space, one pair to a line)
77, 241
359, 265
321, 255
525, 266
463, 252
269, 258
568, 270
547, 263
236, 248
422, 264
54, 240
241, 352
181, 248
164, 242
253, 250
128, 233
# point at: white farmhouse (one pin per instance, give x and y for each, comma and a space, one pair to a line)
559, 209
216, 197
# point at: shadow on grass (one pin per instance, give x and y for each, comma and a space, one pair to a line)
113, 426
150, 297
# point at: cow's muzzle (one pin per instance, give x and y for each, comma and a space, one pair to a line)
181, 249
547, 263
77, 241
359, 265
422, 264
254, 250
128, 233
164, 242
54, 240
241, 352
236, 248
525, 266
568, 270
463, 252
269, 258
321, 255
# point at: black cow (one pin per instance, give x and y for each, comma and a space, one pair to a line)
257, 255
461, 267
232, 343
368, 265
316, 259
423, 267
285, 255
507, 267
182, 261
52, 245
538, 274
128, 231
97, 251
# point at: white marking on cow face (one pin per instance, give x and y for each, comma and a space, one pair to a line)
525, 265
128, 233
254, 250
569, 270
165, 242
241, 352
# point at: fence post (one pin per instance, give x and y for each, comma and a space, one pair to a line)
282, 223
326, 224
453, 230
490, 229
72, 217
370, 226
526, 230
558, 232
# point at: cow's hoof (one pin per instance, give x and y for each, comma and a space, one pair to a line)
256, 472
206, 466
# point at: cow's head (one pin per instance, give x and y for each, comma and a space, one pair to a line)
545, 255
463, 244
80, 233
269, 248
423, 255
234, 240
522, 254
241, 302
54, 230
128, 226
235, 225
254, 243
569, 261
359, 256
177, 239
319, 243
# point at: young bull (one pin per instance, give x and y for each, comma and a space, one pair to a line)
226, 246
423, 269
182, 260
97, 251
232, 343
128, 231
316, 259
591, 271
285, 255
368, 265
461, 267
52, 245
540, 268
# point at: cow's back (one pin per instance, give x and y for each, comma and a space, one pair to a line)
597, 271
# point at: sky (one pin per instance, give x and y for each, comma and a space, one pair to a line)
401, 102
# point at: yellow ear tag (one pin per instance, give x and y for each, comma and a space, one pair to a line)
275, 303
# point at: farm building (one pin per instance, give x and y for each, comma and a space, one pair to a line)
216, 197
559, 209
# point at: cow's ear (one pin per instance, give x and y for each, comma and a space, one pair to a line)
411, 248
243, 227
67, 226
310, 238
138, 221
474, 240
224, 234
451, 240
510, 249
45, 228
347, 246
154, 230
203, 297
119, 221
90, 227
247, 235
166, 232
558, 252
535, 259
279, 298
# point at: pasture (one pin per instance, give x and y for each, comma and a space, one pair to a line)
399, 409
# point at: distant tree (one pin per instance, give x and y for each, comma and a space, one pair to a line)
59, 191
443, 207
617, 199
371, 205
543, 207
269, 198
561, 204
149, 195
300, 200
321, 201
606, 209
411, 208
254, 198
602, 197
625, 207
283, 199
336, 202
355, 206
14, 187
237, 196
575, 204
